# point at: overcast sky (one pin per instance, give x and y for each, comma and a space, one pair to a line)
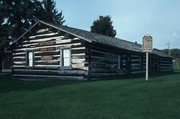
132, 19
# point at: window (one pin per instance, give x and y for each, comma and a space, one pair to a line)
66, 57
119, 61
30, 59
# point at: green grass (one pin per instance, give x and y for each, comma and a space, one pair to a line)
176, 66
108, 99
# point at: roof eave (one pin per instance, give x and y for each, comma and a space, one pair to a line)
66, 31
39, 21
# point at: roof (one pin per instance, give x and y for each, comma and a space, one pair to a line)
97, 38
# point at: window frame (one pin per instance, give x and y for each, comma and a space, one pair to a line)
27, 58
62, 58
119, 62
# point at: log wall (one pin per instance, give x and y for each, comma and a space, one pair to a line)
46, 45
106, 62
165, 64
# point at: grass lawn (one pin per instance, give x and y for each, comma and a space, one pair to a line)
108, 99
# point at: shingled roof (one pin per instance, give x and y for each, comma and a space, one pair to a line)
93, 37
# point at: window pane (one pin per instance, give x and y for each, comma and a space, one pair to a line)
30, 58
31, 63
66, 53
66, 57
66, 61
30, 55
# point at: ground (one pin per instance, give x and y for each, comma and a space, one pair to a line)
108, 99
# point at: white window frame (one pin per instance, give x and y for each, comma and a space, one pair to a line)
62, 57
28, 60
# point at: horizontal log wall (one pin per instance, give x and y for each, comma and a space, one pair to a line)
47, 43
103, 63
137, 64
159, 64
165, 64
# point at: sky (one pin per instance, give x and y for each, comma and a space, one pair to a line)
132, 19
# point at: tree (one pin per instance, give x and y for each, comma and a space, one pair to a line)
16, 16
51, 14
103, 26
4, 28
175, 53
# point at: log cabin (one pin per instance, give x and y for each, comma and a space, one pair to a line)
47, 51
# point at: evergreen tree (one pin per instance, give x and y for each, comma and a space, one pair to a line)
51, 14
16, 16
4, 28
103, 26
22, 16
